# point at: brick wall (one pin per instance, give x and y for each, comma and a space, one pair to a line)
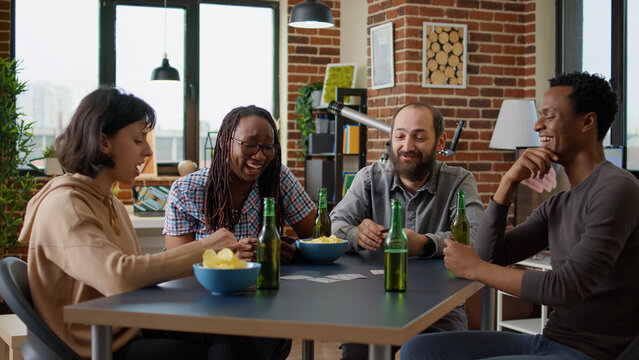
309, 50
501, 64
5, 27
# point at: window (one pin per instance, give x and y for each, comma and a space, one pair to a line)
592, 35
226, 55
632, 135
58, 73
223, 63
139, 50
235, 70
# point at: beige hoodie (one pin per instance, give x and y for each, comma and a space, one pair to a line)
82, 246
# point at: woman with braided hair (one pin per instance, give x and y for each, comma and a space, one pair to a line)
246, 168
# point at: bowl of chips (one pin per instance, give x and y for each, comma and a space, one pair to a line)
223, 273
323, 250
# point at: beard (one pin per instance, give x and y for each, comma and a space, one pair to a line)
420, 166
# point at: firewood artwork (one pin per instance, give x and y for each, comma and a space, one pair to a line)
444, 55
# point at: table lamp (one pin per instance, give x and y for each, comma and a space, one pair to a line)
514, 127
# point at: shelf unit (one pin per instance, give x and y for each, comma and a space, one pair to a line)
532, 325
337, 157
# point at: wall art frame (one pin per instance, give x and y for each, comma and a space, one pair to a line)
444, 55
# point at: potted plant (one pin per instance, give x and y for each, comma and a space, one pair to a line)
51, 163
16, 186
304, 108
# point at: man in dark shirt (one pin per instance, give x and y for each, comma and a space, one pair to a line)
592, 231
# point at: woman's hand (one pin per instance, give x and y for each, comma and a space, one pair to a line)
288, 249
247, 249
220, 239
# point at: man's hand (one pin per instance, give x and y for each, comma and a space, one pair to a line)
532, 162
288, 249
247, 252
369, 235
461, 259
415, 242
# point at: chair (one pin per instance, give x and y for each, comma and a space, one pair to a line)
41, 342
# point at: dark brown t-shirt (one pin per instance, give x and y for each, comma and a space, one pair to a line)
592, 231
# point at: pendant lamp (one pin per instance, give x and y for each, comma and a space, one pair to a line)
311, 14
165, 72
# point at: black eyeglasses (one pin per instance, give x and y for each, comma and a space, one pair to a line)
250, 149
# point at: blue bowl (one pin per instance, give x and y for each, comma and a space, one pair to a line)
227, 281
321, 253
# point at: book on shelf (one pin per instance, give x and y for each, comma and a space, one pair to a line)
347, 180
351, 139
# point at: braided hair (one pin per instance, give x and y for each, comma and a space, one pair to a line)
217, 195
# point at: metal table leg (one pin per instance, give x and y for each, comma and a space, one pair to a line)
379, 352
487, 308
101, 339
307, 349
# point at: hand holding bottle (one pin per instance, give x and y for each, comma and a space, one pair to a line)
461, 260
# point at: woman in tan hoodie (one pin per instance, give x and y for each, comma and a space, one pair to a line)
82, 244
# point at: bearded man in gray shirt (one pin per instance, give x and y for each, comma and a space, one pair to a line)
427, 189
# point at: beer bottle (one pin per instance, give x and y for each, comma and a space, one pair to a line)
322, 225
396, 251
268, 250
459, 227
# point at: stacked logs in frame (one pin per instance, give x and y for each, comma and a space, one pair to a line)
444, 55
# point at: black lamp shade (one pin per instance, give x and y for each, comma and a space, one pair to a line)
311, 14
165, 72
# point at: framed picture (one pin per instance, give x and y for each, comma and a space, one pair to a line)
382, 56
337, 76
347, 180
444, 55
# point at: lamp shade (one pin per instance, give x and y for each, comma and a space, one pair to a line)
514, 127
165, 72
311, 14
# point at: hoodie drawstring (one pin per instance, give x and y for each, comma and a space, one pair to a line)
108, 201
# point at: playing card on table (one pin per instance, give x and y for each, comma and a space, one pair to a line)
324, 280
346, 276
295, 277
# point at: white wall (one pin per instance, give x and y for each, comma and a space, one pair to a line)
283, 80
353, 37
545, 46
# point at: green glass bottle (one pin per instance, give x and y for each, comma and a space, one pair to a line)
396, 252
268, 250
322, 225
459, 227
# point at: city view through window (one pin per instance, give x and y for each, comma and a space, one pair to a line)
60, 65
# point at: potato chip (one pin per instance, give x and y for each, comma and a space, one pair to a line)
324, 240
226, 254
224, 259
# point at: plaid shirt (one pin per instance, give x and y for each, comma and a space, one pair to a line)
184, 212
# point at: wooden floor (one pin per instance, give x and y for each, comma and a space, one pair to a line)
323, 351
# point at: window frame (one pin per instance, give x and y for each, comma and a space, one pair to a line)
568, 42
191, 76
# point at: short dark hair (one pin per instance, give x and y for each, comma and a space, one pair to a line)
438, 118
590, 93
104, 111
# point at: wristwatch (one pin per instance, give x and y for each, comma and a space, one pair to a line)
429, 247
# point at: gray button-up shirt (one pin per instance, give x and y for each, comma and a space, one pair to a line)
429, 212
